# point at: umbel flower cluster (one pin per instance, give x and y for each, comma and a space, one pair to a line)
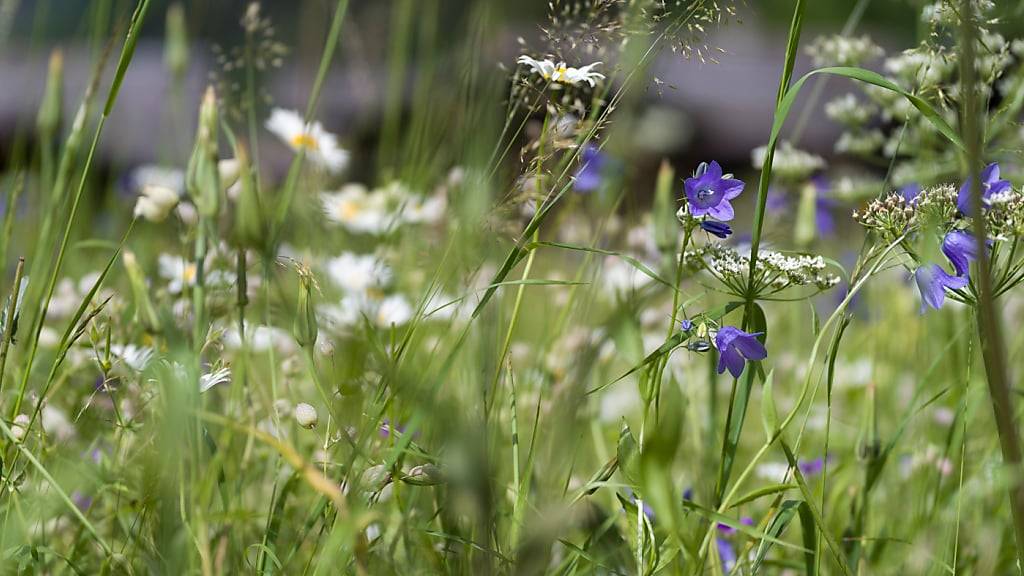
773, 271
913, 214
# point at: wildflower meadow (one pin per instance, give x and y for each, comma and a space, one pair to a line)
629, 287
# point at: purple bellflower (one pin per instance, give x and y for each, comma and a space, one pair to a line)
590, 176
990, 184
961, 248
932, 281
709, 192
735, 347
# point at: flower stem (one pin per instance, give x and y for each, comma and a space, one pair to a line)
989, 332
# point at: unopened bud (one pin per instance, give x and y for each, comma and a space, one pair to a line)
306, 415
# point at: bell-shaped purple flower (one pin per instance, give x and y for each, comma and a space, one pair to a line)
709, 193
961, 248
990, 184
932, 281
735, 347
720, 229
590, 176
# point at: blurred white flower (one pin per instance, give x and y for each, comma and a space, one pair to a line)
320, 146
620, 278
358, 273
178, 271
425, 210
155, 203
261, 339
393, 310
135, 357
562, 73
56, 424
357, 210
211, 379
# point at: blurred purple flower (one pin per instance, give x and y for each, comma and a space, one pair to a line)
932, 281
726, 553
735, 345
590, 176
709, 192
910, 192
813, 467
990, 184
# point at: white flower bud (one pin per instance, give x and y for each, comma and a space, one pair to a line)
306, 415
155, 203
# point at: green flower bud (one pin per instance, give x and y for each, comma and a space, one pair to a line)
305, 326
48, 120
203, 174
176, 43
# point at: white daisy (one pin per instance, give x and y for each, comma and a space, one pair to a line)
320, 146
562, 73
179, 272
358, 273
357, 210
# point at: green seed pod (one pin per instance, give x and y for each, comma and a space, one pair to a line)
203, 174
305, 326
424, 475
176, 44
806, 216
249, 229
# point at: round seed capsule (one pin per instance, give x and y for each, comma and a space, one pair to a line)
306, 415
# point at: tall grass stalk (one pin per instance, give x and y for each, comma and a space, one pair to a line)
989, 330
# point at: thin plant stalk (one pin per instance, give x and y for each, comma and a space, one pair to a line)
989, 331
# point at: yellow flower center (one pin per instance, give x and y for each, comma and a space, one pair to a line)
305, 141
188, 274
560, 72
348, 211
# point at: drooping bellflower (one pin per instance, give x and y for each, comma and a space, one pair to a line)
709, 191
932, 281
961, 248
735, 347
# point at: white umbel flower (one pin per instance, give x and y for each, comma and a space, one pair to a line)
306, 415
319, 145
562, 73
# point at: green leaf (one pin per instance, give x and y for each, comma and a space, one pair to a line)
869, 77
787, 510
